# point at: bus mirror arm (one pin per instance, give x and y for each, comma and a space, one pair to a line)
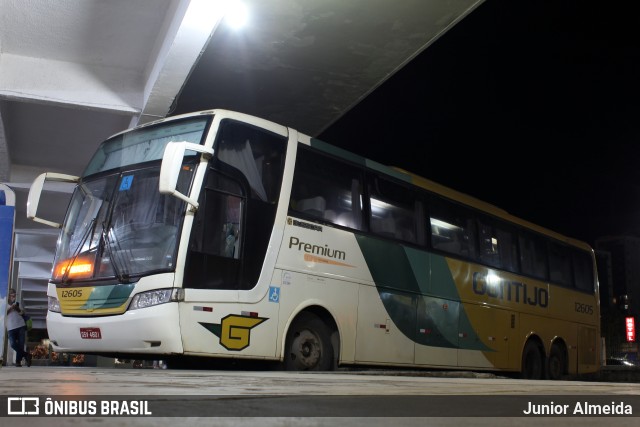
172, 159
35, 192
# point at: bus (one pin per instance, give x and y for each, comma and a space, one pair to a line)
217, 234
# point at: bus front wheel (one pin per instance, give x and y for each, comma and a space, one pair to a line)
308, 345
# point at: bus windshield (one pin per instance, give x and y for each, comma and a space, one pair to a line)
144, 145
118, 226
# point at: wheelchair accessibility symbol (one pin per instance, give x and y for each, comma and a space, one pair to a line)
274, 294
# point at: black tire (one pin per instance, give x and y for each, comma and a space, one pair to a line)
308, 345
532, 367
556, 365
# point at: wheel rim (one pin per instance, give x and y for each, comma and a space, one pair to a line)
306, 350
554, 368
556, 364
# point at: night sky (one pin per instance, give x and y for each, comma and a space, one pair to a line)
531, 105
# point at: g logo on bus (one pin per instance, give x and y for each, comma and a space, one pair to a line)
234, 331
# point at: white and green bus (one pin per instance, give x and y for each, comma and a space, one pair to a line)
222, 235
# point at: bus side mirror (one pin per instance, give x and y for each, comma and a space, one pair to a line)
35, 192
172, 158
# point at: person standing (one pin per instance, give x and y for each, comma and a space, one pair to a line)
16, 329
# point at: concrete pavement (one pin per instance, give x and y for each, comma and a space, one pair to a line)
255, 389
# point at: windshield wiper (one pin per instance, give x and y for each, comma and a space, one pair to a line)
122, 277
76, 253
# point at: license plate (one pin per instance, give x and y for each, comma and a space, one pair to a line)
90, 333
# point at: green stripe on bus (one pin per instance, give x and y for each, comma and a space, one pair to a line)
336, 151
359, 160
388, 170
419, 294
389, 265
108, 296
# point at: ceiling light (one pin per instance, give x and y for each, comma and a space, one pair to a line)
236, 14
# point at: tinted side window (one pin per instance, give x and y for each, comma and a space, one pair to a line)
533, 256
560, 264
452, 228
255, 152
224, 204
498, 246
215, 248
327, 189
394, 210
583, 271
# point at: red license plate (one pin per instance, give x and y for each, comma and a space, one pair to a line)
90, 333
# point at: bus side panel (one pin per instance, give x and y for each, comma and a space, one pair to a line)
578, 311
299, 291
379, 340
497, 334
322, 266
573, 306
547, 312
419, 293
437, 332
548, 330
445, 324
588, 346
226, 327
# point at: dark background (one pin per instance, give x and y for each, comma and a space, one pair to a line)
530, 105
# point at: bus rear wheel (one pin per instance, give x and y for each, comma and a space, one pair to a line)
308, 345
556, 364
532, 368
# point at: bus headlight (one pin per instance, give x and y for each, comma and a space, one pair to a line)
151, 298
54, 304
